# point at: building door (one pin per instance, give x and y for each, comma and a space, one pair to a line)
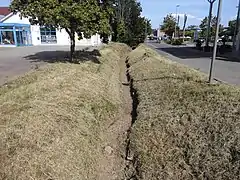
48, 35
19, 38
23, 38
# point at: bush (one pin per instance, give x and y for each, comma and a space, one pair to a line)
177, 41
199, 44
168, 41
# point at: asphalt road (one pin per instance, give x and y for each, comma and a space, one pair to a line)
225, 69
17, 61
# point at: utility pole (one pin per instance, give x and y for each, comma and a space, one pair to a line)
146, 23
209, 21
178, 19
184, 26
236, 27
175, 33
216, 38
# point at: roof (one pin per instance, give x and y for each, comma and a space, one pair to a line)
4, 11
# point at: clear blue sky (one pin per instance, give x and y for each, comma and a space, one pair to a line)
4, 2
196, 10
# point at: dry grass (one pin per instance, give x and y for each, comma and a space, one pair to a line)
186, 128
52, 121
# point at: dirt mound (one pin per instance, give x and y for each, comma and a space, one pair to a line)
185, 128
53, 120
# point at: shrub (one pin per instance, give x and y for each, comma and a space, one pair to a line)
177, 41
199, 44
168, 41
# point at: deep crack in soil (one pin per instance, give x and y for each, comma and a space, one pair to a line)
114, 164
131, 168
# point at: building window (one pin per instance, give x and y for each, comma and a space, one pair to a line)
7, 38
6, 27
48, 35
15, 34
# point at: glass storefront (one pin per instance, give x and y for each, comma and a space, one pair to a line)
48, 35
15, 34
7, 38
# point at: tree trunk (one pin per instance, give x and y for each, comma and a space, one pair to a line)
71, 34
72, 48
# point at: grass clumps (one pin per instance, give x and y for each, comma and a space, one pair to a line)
185, 128
53, 120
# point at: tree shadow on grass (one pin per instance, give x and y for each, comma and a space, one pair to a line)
63, 56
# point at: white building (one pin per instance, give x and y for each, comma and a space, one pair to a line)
16, 31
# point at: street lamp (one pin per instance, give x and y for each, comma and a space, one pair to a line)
175, 33
209, 21
216, 38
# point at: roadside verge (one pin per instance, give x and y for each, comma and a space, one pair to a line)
184, 128
54, 121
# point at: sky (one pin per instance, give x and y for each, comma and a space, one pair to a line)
156, 10
4, 2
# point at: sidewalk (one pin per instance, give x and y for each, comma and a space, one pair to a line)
226, 67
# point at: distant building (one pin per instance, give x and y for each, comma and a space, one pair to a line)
154, 32
160, 33
16, 31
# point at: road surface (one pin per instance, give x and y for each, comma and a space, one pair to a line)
225, 69
16, 61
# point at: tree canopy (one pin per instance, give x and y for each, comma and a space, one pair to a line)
204, 24
192, 27
121, 18
168, 25
190, 30
230, 30
84, 17
127, 24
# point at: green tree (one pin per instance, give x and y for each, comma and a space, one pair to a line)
231, 27
204, 24
84, 17
121, 31
189, 33
168, 25
230, 30
192, 27
127, 24
190, 30
149, 27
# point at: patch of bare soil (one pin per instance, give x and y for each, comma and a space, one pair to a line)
113, 163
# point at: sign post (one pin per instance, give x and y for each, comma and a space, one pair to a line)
215, 42
184, 26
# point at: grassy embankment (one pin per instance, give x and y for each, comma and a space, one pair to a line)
52, 121
185, 128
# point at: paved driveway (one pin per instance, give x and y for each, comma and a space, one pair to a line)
225, 69
17, 61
